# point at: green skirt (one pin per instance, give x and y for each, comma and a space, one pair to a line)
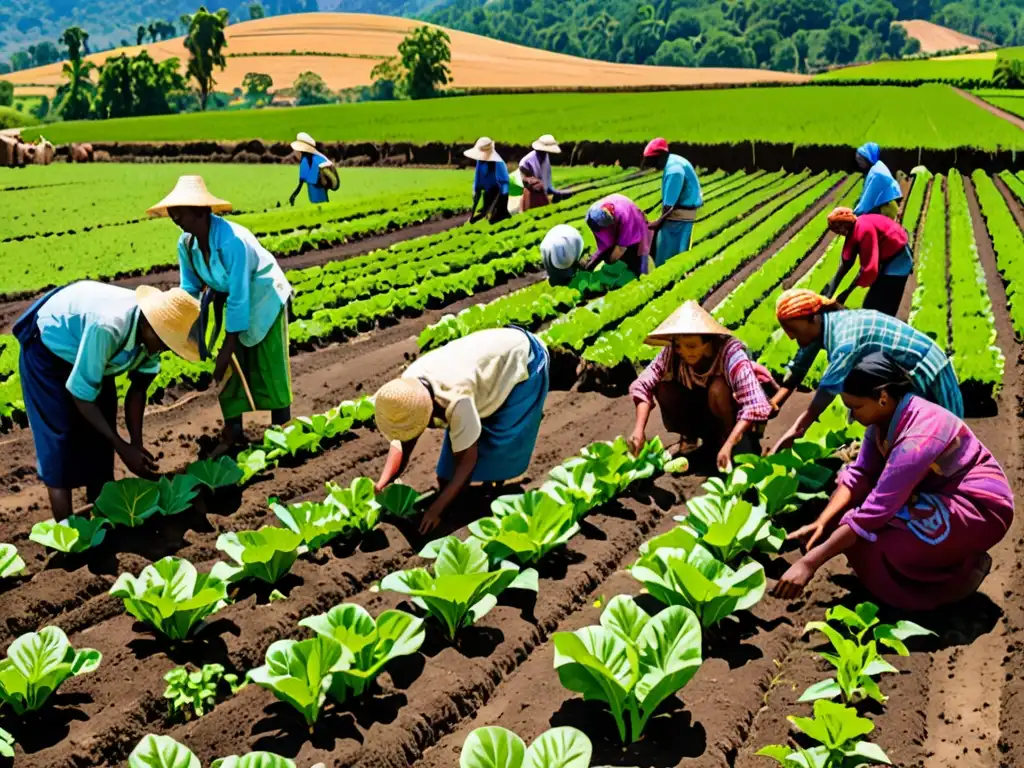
267, 368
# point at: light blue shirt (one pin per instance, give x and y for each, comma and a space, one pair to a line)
243, 269
679, 184
490, 175
94, 327
309, 173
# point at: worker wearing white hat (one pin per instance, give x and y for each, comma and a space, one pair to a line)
561, 250
315, 170
535, 171
490, 182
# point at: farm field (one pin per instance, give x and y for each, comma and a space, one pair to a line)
344, 47
808, 115
1011, 101
970, 66
360, 318
935, 38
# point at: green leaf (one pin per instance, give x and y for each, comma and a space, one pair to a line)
399, 500
128, 502
216, 473
677, 466
826, 689
11, 563
252, 462
563, 747
316, 522
266, 554
37, 664
76, 534
492, 747
291, 440
6, 744
176, 494
254, 760
162, 752
872, 753
300, 672
833, 724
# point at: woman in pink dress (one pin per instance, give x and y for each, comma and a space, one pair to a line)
920, 507
621, 231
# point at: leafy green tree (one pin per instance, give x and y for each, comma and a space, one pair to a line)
114, 91
762, 38
425, 55
44, 53
724, 50
6, 93
21, 60
841, 44
205, 43
42, 109
140, 35
257, 87
1009, 73
310, 88
675, 53
644, 36
256, 11
5, 68
684, 22
75, 96
957, 16
785, 57
387, 77
75, 38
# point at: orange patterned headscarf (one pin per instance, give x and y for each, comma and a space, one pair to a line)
799, 302
840, 216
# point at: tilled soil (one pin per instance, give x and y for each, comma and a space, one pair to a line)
952, 704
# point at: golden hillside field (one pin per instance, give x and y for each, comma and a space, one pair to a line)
477, 62
935, 38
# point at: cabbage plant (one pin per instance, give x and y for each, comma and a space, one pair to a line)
371, 643
358, 502
177, 493
677, 570
462, 588
128, 502
156, 751
730, 527
254, 760
11, 563
266, 554
216, 473
496, 747
837, 729
631, 661
317, 522
399, 500
300, 673
530, 533
171, 596
76, 534
37, 664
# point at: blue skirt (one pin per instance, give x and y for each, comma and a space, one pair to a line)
70, 453
509, 434
673, 239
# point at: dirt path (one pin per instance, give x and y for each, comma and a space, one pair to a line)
979, 102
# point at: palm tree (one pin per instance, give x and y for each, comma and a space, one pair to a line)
76, 95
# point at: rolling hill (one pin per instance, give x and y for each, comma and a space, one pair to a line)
934, 38
343, 48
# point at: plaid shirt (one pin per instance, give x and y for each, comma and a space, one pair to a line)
850, 335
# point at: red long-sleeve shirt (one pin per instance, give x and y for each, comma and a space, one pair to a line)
875, 239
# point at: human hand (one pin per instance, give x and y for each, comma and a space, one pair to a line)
637, 441
430, 520
793, 581
137, 459
223, 361
724, 459
808, 535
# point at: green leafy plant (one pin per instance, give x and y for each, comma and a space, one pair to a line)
177, 493
837, 729
301, 672
76, 534
37, 664
129, 502
530, 533
171, 596
194, 692
11, 563
162, 752
730, 527
358, 502
317, 522
631, 661
372, 643
462, 588
6, 744
496, 747
251, 462
254, 760
216, 473
399, 500
266, 554
290, 440
677, 570
855, 655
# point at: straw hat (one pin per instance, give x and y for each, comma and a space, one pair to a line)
305, 143
172, 314
190, 192
483, 150
547, 143
403, 409
689, 319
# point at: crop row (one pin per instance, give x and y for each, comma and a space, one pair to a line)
929, 312
1008, 243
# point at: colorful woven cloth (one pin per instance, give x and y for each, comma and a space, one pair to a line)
799, 302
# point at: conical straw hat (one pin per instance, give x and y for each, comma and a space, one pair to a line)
305, 143
689, 319
172, 314
190, 192
403, 408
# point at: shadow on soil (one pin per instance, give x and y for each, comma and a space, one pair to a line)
670, 736
51, 725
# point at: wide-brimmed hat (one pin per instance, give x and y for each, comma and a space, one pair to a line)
171, 313
689, 320
305, 143
560, 252
190, 192
483, 150
403, 408
547, 143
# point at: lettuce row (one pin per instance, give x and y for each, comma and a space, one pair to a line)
1007, 241
929, 311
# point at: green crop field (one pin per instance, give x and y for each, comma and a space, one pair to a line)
1011, 101
800, 115
924, 69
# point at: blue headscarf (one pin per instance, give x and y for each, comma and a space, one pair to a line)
870, 152
599, 216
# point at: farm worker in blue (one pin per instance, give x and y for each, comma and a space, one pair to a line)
882, 192
225, 264
74, 341
487, 390
490, 182
310, 162
680, 199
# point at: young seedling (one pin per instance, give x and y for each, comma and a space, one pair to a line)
192, 693
496, 747
837, 729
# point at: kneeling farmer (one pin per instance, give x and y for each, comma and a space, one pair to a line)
487, 390
74, 342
